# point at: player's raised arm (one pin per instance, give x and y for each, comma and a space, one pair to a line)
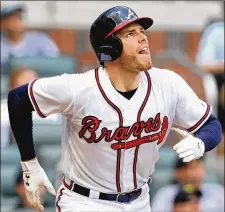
195, 115
46, 96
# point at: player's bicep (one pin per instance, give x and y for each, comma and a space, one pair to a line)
51, 95
191, 112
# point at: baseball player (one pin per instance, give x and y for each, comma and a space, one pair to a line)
117, 116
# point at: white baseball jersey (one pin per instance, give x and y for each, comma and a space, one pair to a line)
111, 142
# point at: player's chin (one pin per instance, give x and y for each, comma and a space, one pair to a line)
145, 63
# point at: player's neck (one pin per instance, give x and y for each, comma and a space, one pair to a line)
123, 80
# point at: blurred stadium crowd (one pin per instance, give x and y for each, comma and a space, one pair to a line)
28, 53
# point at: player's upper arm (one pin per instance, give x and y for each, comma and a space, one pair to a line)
191, 112
51, 95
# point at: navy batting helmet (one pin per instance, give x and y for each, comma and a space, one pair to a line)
106, 45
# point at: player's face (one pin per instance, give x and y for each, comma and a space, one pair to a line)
136, 54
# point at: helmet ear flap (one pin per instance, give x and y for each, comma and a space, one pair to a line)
111, 49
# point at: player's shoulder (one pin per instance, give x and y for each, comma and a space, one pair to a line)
163, 75
85, 79
73, 80
159, 72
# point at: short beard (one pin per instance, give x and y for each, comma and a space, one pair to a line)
131, 63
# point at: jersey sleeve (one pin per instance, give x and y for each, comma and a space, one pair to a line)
51, 95
191, 112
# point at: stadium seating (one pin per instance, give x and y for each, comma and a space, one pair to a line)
160, 178
8, 176
8, 204
4, 86
167, 157
10, 155
46, 66
47, 134
49, 155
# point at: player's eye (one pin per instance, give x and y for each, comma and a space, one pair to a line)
130, 34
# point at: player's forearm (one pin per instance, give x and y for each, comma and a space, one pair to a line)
210, 133
20, 116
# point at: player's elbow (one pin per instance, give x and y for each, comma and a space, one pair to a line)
18, 99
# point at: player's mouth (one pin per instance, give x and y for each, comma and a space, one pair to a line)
144, 50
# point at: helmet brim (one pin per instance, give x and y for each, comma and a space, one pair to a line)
145, 22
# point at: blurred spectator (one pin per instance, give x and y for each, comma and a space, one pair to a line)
16, 41
19, 186
210, 54
187, 200
19, 77
212, 198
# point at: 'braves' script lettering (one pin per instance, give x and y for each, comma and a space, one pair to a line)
91, 124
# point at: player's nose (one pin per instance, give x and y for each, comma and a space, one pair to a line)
142, 38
